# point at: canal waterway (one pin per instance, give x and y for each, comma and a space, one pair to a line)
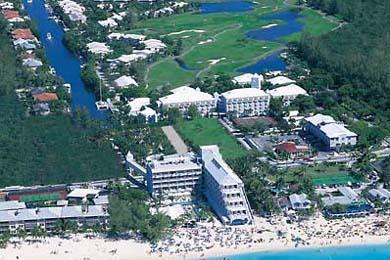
67, 65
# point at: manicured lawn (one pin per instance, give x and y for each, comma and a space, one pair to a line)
208, 131
169, 73
49, 150
225, 33
323, 174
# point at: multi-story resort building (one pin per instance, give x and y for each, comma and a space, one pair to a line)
224, 189
47, 217
329, 132
287, 93
244, 102
183, 97
173, 175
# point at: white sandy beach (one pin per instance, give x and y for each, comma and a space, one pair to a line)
215, 240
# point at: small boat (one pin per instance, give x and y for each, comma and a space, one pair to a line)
101, 105
48, 36
29, 1
68, 87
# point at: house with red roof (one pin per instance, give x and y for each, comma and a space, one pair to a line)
45, 97
292, 150
24, 34
10, 14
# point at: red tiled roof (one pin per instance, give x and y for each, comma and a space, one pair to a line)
25, 34
288, 147
8, 14
45, 97
291, 147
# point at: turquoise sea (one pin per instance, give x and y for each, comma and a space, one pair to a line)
377, 252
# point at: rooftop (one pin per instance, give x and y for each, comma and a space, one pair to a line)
174, 162
289, 90
137, 103
52, 213
12, 204
186, 95
82, 193
244, 93
280, 80
45, 97
217, 167
125, 81
335, 130
319, 119
247, 78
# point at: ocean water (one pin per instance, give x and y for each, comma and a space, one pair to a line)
377, 252
226, 7
61, 59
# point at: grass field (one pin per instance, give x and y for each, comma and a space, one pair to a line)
323, 174
224, 34
208, 131
49, 150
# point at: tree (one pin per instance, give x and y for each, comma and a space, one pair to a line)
384, 174
276, 108
193, 112
89, 76
4, 239
21, 233
174, 115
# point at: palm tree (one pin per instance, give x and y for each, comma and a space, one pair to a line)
21, 233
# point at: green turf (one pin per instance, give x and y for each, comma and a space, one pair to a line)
169, 73
227, 33
40, 197
208, 131
342, 179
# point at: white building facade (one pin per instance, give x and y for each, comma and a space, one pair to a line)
173, 175
244, 102
224, 189
331, 133
183, 97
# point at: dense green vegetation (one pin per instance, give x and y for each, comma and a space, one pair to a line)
353, 60
8, 66
207, 131
43, 150
129, 211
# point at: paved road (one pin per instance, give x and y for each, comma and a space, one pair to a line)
175, 139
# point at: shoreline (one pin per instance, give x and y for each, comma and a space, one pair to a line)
213, 241
383, 241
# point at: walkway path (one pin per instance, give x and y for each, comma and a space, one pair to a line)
175, 139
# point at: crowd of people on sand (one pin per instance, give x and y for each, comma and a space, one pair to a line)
214, 239
273, 234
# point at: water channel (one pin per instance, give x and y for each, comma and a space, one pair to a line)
67, 65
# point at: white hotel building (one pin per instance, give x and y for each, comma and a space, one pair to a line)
244, 102
173, 175
331, 133
224, 189
183, 97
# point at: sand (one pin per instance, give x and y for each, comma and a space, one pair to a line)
265, 235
